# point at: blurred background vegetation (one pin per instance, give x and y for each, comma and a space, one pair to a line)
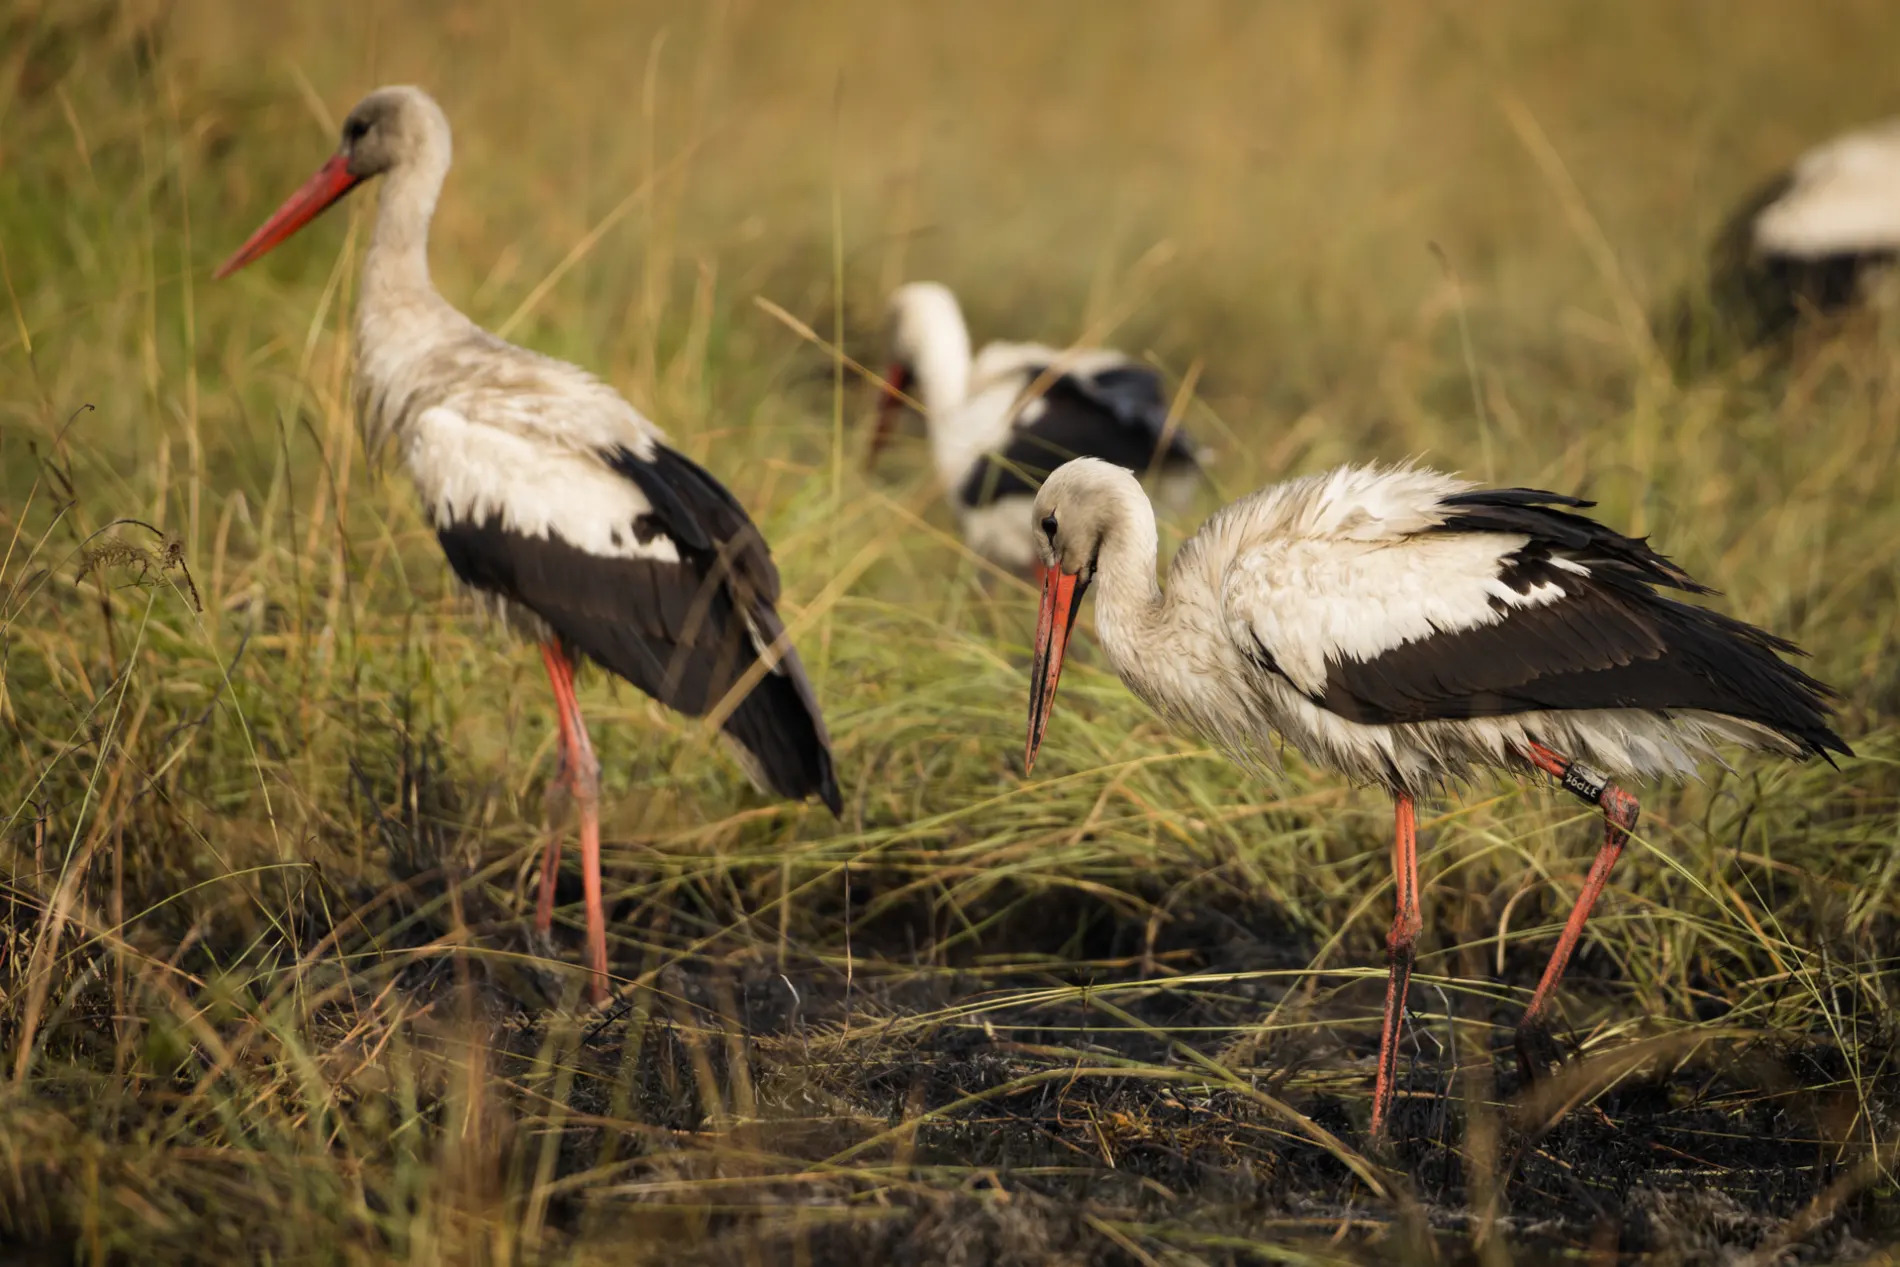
272, 794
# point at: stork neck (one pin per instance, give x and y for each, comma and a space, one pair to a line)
942, 364
396, 266
943, 383
1129, 605
398, 311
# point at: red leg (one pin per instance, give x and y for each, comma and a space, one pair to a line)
1620, 811
561, 678
1399, 947
587, 791
583, 777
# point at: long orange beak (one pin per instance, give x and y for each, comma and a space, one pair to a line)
1061, 600
890, 400
331, 182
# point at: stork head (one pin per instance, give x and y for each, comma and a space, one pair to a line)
929, 349
391, 129
1077, 509
394, 127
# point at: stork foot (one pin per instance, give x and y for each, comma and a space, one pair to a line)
542, 973
1401, 948
1538, 1054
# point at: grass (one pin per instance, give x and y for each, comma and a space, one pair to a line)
273, 796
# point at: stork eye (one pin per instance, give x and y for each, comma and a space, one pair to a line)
355, 129
1049, 526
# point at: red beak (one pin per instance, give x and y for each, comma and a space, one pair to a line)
1061, 601
890, 400
331, 182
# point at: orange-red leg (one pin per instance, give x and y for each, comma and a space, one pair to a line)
582, 772
561, 678
1620, 812
1400, 946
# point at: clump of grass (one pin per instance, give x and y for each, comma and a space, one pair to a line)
274, 797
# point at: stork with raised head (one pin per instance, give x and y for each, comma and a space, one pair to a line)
553, 497
1000, 421
1812, 240
1406, 628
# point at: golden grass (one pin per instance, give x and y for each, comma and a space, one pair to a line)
273, 797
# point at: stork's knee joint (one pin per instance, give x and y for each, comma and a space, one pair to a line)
1620, 807
1594, 787
1403, 936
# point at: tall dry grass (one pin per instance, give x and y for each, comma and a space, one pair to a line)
273, 795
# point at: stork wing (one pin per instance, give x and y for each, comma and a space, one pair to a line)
1118, 413
1840, 198
1508, 605
1130, 393
702, 514
646, 565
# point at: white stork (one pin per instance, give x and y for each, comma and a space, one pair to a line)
1402, 627
999, 422
1811, 241
555, 498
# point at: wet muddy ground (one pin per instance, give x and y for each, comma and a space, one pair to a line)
1083, 1090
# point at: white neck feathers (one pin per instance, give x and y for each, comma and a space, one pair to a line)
928, 335
396, 266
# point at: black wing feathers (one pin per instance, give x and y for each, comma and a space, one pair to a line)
680, 631
1118, 414
1131, 394
1611, 641
1529, 512
699, 511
